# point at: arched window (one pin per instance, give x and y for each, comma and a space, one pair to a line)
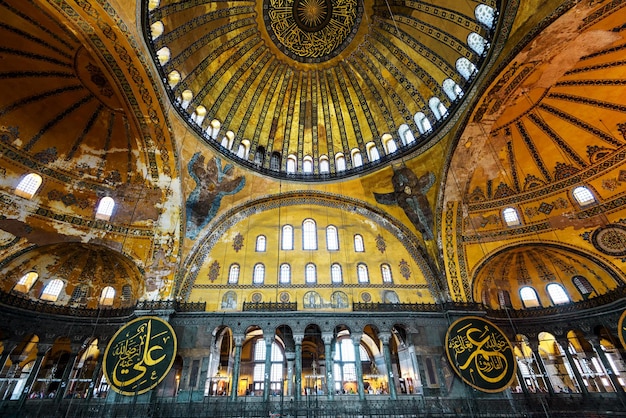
261, 244
127, 293
372, 151
292, 164
583, 196
106, 296
52, 290
105, 208
26, 282
422, 123
584, 287
385, 272
28, 186
258, 276
307, 164
389, 143
309, 235
199, 114
465, 67
529, 297
344, 362
358, 244
362, 274
406, 136
485, 15
340, 162
557, 294
510, 216
80, 294
310, 274
156, 29
244, 149
276, 367
287, 238
336, 276
259, 156
504, 299
185, 98
163, 55
213, 129
438, 109
228, 140
357, 159
173, 78
324, 165
452, 90
477, 43
285, 273
153, 4
275, 159
233, 274
332, 238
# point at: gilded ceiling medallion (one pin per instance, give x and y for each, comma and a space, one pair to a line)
312, 30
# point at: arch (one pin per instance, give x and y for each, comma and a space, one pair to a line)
485, 15
173, 78
406, 136
529, 297
340, 162
244, 149
275, 160
466, 68
510, 216
422, 122
292, 164
583, 286
261, 244
583, 196
26, 282
477, 43
357, 158
452, 89
185, 98
362, 273
359, 246
105, 208
324, 164
163, 55
339, 300
389, 143
438, 109
285, 274
28, 185
307, 164
198, 115
332, 238
228, 140
309, 234
557, 294
258, 275
310, 274
213, 129
336, 275
385, 272
312, 300
52, 290
287, 238
504, 299
372, 151
107, 296
233, 274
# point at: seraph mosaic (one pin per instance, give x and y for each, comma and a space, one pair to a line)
213, 182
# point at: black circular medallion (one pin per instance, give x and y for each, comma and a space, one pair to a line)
610, 240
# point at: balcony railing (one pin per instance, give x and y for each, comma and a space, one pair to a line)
270, 306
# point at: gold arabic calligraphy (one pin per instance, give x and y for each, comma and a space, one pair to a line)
482, 351
135, 355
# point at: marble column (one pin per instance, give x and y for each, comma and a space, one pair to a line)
327, 337
66, 375
268, 367
356, 340
384, 338
34, 371
564, 342
297, 338
291, 358
234, 381
534, 346
595, 343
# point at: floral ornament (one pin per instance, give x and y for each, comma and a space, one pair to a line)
405, 270
238, 242
214, 271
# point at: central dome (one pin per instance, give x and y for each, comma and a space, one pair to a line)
311, 31
318, 90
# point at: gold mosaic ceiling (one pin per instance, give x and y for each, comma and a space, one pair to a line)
315, 89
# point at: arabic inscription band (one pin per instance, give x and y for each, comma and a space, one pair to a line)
480, 354
139, 355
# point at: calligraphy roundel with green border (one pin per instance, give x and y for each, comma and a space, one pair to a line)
139, 355
621, 329
480, 354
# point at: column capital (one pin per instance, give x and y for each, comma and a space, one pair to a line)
298, 338
327, 337
384, 337
238, 340
269, 339
356, 337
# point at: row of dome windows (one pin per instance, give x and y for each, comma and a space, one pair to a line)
30, 184
53, 288
484, 15
557, 293
310, 274
582, 195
